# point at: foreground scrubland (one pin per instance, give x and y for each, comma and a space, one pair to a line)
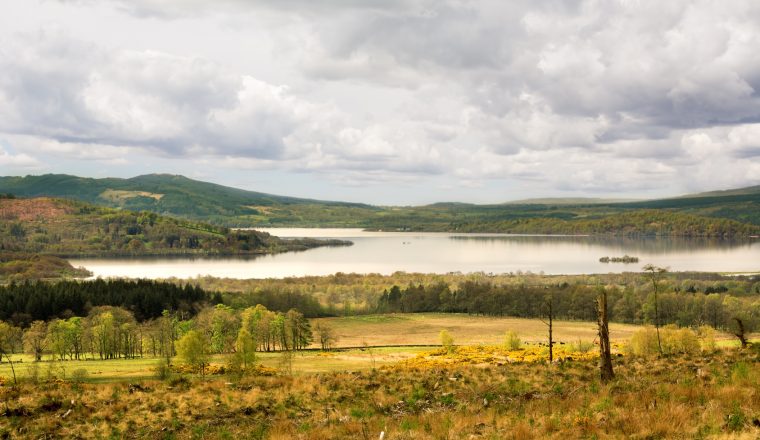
701, 387
271, 358
688, 396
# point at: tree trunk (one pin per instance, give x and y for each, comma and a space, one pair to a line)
551, 338
605, 355
657, 322
740, 332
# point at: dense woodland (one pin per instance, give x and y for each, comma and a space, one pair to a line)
22, 303
631, 223
68, 228
687, 308
127, 319
343, 293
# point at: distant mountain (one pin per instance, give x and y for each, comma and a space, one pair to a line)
179, 196
742, 204
750, 190
568, 201
165, 194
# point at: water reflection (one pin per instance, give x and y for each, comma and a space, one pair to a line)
377, 252
649, 245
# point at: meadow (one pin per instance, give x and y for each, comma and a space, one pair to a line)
708, 395
370, 387
362, 343
424, 329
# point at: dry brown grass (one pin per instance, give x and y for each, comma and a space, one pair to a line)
32, 209
425, 328
702, 396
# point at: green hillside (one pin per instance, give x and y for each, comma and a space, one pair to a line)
68, 228
179, 196
742, 205
733, 213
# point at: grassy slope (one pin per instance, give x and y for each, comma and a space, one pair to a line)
175, 195
193, 199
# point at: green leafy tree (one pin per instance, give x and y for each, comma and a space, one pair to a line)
245, 350
8, 337
298, 333
193, 350
325, 335
35, 338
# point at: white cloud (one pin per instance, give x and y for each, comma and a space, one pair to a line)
21, 161
569, 95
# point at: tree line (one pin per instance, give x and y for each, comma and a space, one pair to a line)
674, 305
22, 303
629, 223
108, 332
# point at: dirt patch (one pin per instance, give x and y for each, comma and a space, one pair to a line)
118, 196
41, 208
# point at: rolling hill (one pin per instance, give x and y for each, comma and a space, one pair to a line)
66, 228
171, 195
714, 214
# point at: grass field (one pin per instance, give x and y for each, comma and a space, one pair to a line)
364, 342
388, 392
424, 329
120, 370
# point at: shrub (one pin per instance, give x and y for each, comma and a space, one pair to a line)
180, 382
447, 341
581, 346
162, 371
512, 341
679, 340
674, 340
742, 374
79, 375
643, 342
707, 338
33, 373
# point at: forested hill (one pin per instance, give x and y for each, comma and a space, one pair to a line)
633, 223
734, 213
175, 195
71, 228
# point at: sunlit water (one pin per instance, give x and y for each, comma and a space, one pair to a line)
388, 252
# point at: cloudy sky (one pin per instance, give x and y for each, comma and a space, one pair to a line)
387, 101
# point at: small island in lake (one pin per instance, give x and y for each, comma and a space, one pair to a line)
625, 259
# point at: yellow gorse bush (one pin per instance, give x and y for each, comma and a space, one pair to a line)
493, 355
219, 369
674, 340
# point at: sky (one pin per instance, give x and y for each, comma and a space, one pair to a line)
390, 102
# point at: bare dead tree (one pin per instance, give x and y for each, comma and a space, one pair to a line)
739, 333
655, 274
549, 312
605, 355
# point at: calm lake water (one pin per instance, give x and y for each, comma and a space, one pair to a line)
388, 252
